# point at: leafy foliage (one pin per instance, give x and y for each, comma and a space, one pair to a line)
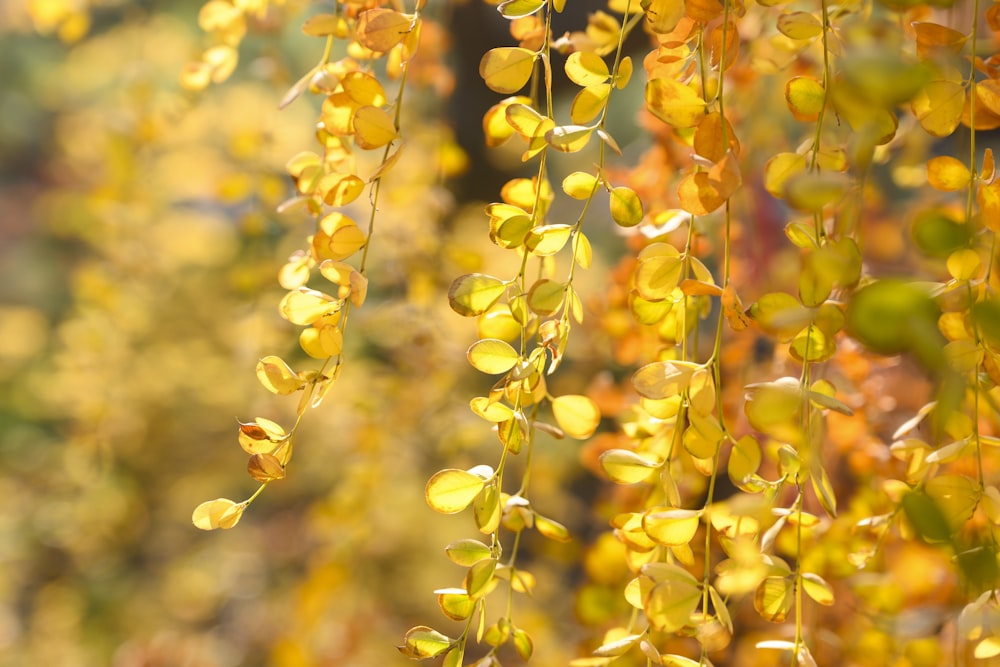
746, 261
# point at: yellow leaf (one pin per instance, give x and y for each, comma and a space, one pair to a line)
492, 356
817, 588
546, 296
339, 189
569, 138
938, 106
964, 264
585, 68
578, 416
744, 460
303, 306
947, 174
812, 190
779, 169
423, 642
515, 9
277, 377
663, 379
774, 598
800, 25
672, 527
507, 69
548, 239
338, 238
219, 513
265, 468
580, 185
451, 490
381, 29
662, 16
552, 529
363, 89
626, 467
806, 97
373, 127
624, 73
674, 103
589, 102
475, 293
626, 207
673, 597
322, 25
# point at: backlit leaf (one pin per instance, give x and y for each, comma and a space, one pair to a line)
474, 293
670, 602
552, 529
381, 29
277, 377
219, 513
579, 184
662, 16
671, 527
492, 356
774, 598
455, 603
578, 416
515, 9
744, 460
569, 138
507, 69
424, 642
585, 68
467, 552
626, 467
779, 169
626, 207
800, 25
890, 316
938, 106
947, 174
265, 468
674, 103
589, 102
450, 491
805, 97
373, 127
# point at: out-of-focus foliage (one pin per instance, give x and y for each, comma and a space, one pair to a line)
711, 380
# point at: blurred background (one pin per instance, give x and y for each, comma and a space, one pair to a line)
139, 248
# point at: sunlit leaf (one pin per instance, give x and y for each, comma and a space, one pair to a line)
626, 207
219, 513
585, 68
779, 169
467, 552
373, 127
380, 29
674, 595
474, 293
265, 468
578, 416
662, 16
774, 598
800, 25
492, 356
891, 316
514, 9
674, 103
626, 467
579, 184
806, 97
277, 377
450, 491
938, 106
569, 138
424, 642
947, 173
552, 529
480, 576
507, 69
671, 527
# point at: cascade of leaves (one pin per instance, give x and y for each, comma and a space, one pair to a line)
525, 325
356, 114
